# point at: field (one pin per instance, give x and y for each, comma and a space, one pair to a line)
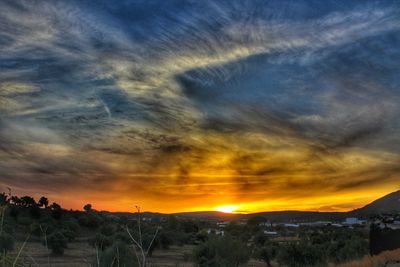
92, 238
80, 254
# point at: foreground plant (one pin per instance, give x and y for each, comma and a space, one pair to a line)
138, 244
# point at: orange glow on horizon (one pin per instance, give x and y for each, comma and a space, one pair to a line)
340, 202
227, 209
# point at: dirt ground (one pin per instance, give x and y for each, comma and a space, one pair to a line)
80, 254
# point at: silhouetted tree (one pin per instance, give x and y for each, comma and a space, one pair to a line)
3, 198
16, 200
87, 207
43, 202
56, 211
28, 201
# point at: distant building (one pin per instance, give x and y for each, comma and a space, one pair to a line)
293, 225
271, 233
215, 232
353, 221
393, 226
222, 224
265, 224
318, 223
286, 239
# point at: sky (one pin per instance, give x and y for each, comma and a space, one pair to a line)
185, 105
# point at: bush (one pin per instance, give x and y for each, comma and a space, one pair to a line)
123, 237
221, 252
71, 225
90, 220
101, 242
69, 235
267, 252
165, 240
298, 255
25, 221
6, 243
35, 211
107, 229
119, 254
57, 242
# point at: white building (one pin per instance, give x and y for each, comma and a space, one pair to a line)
294, 225
222, 224
273, 233
353, 221
216, 232
265, 224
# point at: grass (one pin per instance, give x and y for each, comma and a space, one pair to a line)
386, 258
80, 254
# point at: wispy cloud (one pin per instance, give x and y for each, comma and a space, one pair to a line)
245, 100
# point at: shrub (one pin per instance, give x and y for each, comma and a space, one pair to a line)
267, 252
57, 242
69, 235
118, 254
221, 252
6, 243
165, 240
107, 229
298, 255
25, 221
92, 220
101, 242
71, 225
123, 237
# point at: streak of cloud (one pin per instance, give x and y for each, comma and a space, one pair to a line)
228, 101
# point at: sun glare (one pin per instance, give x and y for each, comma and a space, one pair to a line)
227, 209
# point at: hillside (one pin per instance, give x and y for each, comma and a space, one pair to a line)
387, 204
276, 216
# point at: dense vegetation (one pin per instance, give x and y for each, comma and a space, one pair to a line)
119, 239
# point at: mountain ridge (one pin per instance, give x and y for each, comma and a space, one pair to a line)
386, 204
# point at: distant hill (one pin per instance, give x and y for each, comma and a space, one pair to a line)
209, 215
302, 216
276, 216
387, 204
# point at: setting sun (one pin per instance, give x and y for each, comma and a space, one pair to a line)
227, 209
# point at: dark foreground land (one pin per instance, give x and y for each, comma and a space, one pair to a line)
36, 233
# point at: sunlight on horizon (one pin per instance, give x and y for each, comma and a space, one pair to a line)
227, 209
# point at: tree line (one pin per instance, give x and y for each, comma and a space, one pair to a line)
113, 237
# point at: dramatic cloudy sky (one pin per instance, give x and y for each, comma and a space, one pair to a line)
189, 105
